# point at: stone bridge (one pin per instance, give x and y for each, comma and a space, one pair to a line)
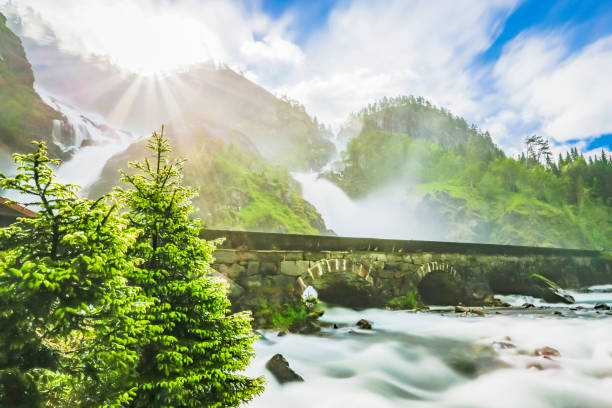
362, 272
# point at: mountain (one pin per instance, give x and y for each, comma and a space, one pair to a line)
467, 189
238, 189
27, 115
282, 131
23, 114
236, 168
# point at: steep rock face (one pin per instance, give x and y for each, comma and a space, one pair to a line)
237, 188
23, 114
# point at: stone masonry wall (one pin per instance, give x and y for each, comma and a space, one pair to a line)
362, 278
365, 272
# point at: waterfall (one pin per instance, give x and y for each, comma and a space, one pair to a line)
89, 140
390, 212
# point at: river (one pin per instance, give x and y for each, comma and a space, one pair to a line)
443, 359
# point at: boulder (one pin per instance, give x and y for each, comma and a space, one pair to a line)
546, 352
465, 309
556, 295
527, 306
364, 324
477, 311
279, 367
601, 306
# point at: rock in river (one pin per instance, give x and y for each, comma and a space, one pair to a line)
547, 352
279, 367
364, 324
601, 306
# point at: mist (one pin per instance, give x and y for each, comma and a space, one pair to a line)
394, 211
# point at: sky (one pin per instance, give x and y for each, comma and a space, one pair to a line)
512, 67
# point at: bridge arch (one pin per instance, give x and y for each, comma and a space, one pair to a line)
439, 284
435, 266
341, 282
336, 265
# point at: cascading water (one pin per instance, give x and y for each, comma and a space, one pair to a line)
90, 142
389, 212
443, 359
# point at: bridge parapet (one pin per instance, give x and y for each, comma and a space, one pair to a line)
369, 272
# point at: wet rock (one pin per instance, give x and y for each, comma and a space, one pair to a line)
279, 367
527, 306
558, 313
601, 306
556, 295
335, 326
282, 333
364, 324
464, 309
504, 345
543, 364
547, 352
477, 311
308, 328
492, 301
537, 366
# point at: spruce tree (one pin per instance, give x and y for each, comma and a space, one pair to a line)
196, 347
66, 310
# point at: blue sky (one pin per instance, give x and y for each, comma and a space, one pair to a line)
511, 67
583, 22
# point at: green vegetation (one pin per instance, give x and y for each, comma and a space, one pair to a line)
100, 308
477, 193
69, 316
406, 302
238, 190
250, 194
293, 315
196, 346
544, 280
23, 115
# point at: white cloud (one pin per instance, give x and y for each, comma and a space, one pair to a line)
150, 35
272, 49
369, 49
564, 96
365, 50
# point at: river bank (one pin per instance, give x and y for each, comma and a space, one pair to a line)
511, 357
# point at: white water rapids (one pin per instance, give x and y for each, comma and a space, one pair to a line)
414, 359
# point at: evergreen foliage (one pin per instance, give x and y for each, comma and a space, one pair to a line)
67, 312
478, 193
195, 347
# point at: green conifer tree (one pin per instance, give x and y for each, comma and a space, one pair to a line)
196, 348
66, 309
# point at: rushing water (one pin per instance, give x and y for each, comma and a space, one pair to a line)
442, 359
385, 213
88, 138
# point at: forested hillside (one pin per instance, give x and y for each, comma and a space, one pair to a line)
237, 188
479, 193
